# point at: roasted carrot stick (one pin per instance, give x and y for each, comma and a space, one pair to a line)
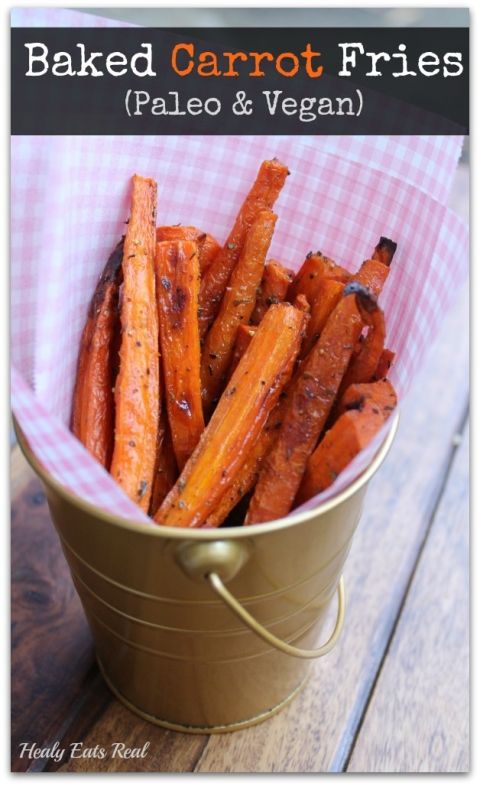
307, 407
328, 295
374, 272
166, 471
315, 268
384, 364
93, 403
208, 247
273, 289
384, 251
244, 335
237, 420
263, 194
376, 395
137, 387
364, 364
347, 437
249, 472
237, 305
177, 276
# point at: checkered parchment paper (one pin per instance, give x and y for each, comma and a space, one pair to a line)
69, 202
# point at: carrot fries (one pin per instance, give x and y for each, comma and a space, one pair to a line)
384, 251
364, 363
208, 247
237, 420
244, 335
384, 364
380, 395
314, 270
93, 404
237, 305
165, 472
177, 277
137, 394
366, 408
307, 409
248, 474
207, 375
328, 295
273, 289
263, 195
374, 272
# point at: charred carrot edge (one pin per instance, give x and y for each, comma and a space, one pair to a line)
377, 395
245, 333
372, 274
310, 399
237, 420
137, 391
237, 305
384, 251
328, 295
263, 194
347, 437
384, 364
363, 365
273, 289
177, 277
208, 247
166, 472
93, 403
315, 268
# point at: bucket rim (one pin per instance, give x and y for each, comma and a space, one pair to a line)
215, 533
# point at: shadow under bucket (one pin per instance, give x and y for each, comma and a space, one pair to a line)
173, 642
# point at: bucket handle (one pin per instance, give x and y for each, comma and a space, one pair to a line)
217, 561
233, 604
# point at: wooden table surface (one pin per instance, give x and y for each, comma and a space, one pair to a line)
392, 697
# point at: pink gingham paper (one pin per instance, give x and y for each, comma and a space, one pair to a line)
70, 198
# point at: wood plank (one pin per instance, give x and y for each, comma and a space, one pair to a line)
52, 652
315, 733
418, 716
167, 751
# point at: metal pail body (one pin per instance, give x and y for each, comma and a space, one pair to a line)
207, 629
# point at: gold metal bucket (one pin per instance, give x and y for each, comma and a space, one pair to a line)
173, 642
